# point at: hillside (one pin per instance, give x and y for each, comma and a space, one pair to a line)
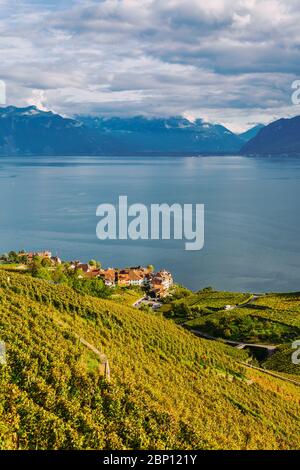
273, 319
279, 137
270, 319
167, 388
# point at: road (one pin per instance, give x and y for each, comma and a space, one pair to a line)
245, 304
138, 302
154, 304
104, 368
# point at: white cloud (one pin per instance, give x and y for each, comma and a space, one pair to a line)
230, 60
38, 99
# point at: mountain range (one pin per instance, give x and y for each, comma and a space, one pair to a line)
165, 135
30, 131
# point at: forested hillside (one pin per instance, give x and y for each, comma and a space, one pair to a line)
167, 388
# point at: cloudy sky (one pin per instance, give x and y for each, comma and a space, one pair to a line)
227, 61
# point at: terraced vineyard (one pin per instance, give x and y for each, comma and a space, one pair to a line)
128, 296
214, 299
201, 303
246, 325
167, 388
281, 307
271, 319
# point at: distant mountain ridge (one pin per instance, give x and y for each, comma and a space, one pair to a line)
30, 131
171, 135
251, 133
279, 137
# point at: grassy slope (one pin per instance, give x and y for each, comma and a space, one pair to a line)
168, 389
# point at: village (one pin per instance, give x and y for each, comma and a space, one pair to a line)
156, 284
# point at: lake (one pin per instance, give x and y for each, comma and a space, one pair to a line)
252, 225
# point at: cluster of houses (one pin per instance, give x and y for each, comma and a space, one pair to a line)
158, 283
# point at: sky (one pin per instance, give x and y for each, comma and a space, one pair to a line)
227, 61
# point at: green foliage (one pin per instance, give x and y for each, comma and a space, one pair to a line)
180, 292
181, 310
187, 305
46, 263
59, 275
93, 286
238, 325
62, 274
42, 273
168, 388
36, 266
95, 264
273, 318
12, 257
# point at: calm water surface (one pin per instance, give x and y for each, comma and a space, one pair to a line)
252, 225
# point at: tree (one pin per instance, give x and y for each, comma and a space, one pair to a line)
43, 273
23, 258
95, 264
59, 275
4, 257
12, 257
36, 266
96, 287
181, 309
